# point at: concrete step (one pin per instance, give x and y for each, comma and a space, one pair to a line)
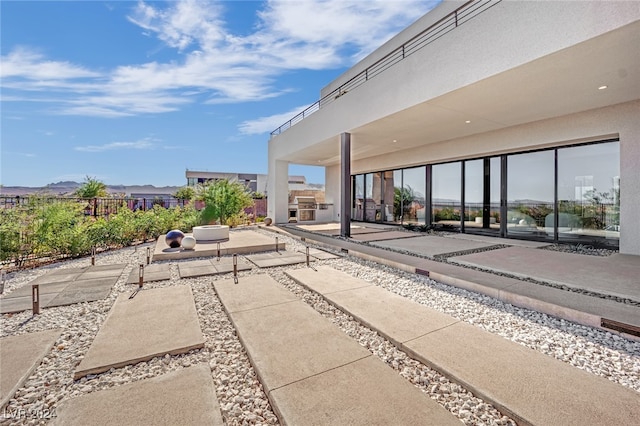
529, 386
312, 372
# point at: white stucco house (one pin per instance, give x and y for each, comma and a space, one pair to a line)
518, 119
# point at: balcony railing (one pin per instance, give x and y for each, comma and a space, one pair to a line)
464, 13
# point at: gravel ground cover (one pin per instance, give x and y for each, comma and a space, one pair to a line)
242, 398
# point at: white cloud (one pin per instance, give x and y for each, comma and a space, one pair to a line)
267, 124
214, 65
145, 143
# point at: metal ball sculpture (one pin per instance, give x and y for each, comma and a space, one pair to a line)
188, 242
174, 238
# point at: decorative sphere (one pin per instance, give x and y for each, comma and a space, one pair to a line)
174, 238
267, 221
188, 242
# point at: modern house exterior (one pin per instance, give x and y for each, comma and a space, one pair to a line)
518, 119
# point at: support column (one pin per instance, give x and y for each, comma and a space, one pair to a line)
345, 184
278, 191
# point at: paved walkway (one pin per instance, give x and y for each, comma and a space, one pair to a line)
183, 397
530, 387
569, 305
19, 357
65, 287
144, 327
312, 372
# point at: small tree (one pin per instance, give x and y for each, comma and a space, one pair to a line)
185, 193
223, 199
92, 188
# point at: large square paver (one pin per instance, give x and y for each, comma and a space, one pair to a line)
19, 357
291, 341
365, 392
325, 279
433, 245
381, 236
65, 286
281, 258
251, 292
318, 254
153, 272
396, 317
155, 322
223, 265
615, 275
183, 397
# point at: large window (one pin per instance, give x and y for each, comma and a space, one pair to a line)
446, 189
560, 194
589, 192
530, 194
413, 195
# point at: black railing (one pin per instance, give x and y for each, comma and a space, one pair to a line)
96, 207
453, 20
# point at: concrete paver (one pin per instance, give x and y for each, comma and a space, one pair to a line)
531, 387
516, 379
252, 292
565, 268
182, 397
377, 307
497, 240
313, 373
199, 268
433, 245
65, 286
19, 357
240, 242
319, 254
153, 272
349, 395
381, 236
280, 258
154, 323
24, 303
354, 231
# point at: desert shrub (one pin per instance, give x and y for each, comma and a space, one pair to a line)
223, 199
60, 229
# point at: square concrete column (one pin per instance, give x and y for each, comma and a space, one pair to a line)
345, 184
278, 191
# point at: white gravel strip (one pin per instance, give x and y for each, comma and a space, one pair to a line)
241, 396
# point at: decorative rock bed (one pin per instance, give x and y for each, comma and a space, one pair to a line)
211, 232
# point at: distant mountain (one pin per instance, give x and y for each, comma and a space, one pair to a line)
69, 187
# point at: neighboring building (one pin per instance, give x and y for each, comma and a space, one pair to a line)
255, 182
518, 119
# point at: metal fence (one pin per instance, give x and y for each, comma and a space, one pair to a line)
95, 207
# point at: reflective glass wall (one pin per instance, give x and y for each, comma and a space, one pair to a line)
446, 190
530, 194
566, 194
589, 192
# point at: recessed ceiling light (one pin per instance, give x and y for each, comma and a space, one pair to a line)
602, 87
468, 121
394, 141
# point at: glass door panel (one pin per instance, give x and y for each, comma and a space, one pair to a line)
589, 193
530, 195
414, 185
473, 194
446, 194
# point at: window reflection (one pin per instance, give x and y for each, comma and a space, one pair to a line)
358, 197
413, 195
530, 194
589, 192
388, 196
446, 190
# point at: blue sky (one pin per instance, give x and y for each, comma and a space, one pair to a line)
137, 92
